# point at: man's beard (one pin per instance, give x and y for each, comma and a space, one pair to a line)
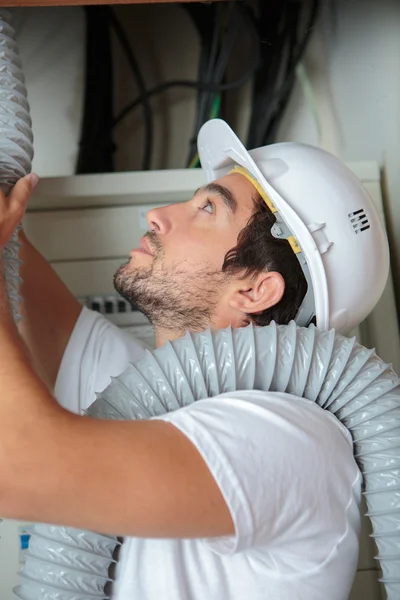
172, 298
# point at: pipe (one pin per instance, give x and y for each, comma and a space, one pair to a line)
16, 149
343, 377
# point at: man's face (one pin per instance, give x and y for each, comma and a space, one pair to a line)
175, 277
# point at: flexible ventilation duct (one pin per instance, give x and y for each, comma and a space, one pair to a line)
341, 376
16, 150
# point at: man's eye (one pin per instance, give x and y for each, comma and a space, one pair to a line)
208, 207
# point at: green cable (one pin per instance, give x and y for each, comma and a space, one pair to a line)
195, 162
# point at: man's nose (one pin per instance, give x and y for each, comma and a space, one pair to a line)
161, 219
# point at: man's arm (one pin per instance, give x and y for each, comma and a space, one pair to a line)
136, 478
131, 478
49, 312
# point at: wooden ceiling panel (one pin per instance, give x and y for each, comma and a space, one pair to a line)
14, 3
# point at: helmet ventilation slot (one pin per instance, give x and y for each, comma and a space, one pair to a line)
359, 220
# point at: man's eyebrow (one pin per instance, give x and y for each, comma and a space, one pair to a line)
226, 195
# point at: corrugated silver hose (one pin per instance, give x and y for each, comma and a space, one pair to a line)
16, 150
16, 138
341, 376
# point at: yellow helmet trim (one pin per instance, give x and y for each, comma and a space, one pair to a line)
242, 171
260, 190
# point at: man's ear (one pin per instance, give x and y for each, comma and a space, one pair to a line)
257, 293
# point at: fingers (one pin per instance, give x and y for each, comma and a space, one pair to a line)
21, 192
12, 209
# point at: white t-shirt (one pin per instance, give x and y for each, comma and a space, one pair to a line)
284, 466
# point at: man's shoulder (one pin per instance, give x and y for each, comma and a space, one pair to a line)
294, 409
97, 350
270, 420
97, 329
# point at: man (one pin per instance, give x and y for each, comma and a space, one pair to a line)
247, 495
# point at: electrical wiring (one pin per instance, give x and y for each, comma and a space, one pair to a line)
195, 162
229, 22
208, 57
271, 120
280, 30
96, 147
139, 79
284, 27
224, 87
271, 27
202, 17
219, 27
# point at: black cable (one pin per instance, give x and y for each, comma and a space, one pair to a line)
281, 51
224, 87
208, 57
236, 14
298, 48
96, 147
280, 99
271, 26
147, 110
217, 76
273, 97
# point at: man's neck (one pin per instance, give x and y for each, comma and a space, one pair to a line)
166, 336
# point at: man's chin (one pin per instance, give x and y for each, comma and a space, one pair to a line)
140, 256
132, 267
128, 277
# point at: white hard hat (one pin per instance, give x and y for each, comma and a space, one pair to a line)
341, 242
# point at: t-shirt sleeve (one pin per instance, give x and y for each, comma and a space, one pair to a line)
97, 350
284, 466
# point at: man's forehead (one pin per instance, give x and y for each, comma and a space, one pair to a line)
239, 186
235, 180
234, 190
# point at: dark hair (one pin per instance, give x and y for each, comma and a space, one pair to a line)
258, 250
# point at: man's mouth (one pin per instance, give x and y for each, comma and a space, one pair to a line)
144, 247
